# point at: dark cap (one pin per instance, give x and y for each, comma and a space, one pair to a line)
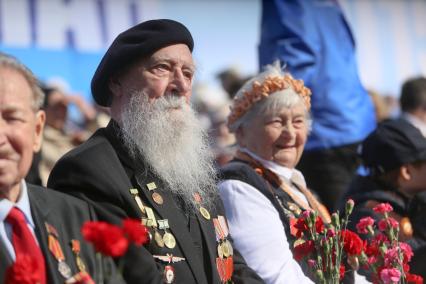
393, 144
137, 42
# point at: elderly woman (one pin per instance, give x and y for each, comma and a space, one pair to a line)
261, 188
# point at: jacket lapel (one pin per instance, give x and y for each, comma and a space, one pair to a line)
40, 212
209, 234
178, 224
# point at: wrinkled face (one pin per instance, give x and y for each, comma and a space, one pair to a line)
278, 137
20, 129
169, 70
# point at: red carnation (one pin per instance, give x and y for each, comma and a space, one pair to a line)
383, 208
319, 225
107, 239
135, 231
414, 279
352, 242
23, 271
300, 227
342, 271
303, 250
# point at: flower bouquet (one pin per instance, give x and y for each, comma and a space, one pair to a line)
325, 247
384, 256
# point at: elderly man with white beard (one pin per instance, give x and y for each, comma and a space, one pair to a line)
153, 162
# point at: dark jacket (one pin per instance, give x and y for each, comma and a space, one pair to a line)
67, 215
101, 172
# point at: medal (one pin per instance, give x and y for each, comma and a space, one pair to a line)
151, 217
169, 240
75, 245
135, 193
204, 213
64, 269
225, 249
230, 249
56, 250
157, 198
158, 239
169, 274
220, 251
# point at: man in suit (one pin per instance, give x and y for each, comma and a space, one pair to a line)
39, 229
152, 161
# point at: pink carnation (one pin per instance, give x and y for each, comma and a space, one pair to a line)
389, 222
363, 224
406, 251
383, 208
390, 275
391, 256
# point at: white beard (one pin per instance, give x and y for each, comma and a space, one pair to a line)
172, 142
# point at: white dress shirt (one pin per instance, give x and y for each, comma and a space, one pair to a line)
257, 230
6, 229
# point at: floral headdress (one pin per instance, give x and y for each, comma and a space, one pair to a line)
261, 90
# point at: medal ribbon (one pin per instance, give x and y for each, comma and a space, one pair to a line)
55, 248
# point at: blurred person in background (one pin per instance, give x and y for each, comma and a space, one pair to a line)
413, 102
313, 40
58, 136
261, 188
394, 156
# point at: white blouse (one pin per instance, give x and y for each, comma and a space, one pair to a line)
257, 230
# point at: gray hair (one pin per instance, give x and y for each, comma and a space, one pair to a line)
8, 61
272, 104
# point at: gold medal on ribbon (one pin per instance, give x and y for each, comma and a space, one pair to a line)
225, 249
220, 251
75, 245
169, 240
204, 213
158, 239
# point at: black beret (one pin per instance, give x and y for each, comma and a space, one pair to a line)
137, 42
393, 144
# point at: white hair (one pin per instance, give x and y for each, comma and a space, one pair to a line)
173, 144
272, 104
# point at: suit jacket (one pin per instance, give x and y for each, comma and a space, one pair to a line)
101, 172
67, 215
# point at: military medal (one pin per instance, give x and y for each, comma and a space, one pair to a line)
203, 211
169, 272
155, 195
138, 200
220, 251
158, 238
157, 198
225, 249
406, 227
168, 238
75, 245
56, 250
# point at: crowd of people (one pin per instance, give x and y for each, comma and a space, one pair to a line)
214, 213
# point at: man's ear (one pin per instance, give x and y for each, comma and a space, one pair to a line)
40, 119
405, 172
114, 86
